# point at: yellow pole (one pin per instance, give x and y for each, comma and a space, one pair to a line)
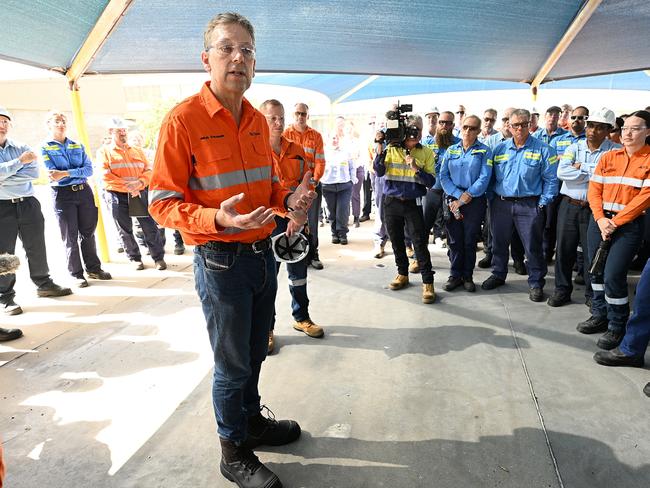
80, 124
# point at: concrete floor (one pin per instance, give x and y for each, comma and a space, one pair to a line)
110, 387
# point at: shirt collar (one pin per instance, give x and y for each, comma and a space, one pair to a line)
213, 105
511, 142
8, 143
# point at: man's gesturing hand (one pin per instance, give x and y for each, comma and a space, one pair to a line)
227, 216
303, 196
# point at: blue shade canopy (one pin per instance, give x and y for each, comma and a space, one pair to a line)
452, 40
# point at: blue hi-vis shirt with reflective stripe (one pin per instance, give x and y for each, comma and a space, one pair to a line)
560, 144
439, 153
530, 170
469, 170
67, 156
543, 136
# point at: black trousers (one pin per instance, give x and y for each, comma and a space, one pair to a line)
23, 219
367, 196
572, 225
77, 216
397, 214
433, 214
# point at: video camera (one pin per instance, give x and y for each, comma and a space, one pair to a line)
396, 129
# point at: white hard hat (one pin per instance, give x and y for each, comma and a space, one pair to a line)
433, 110
4, 112
290, 249
603, 116
534, 111
117, 123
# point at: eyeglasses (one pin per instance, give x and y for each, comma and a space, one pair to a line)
505, 119
227, 50
445, 122
489, 119
633, 129
4, 122
520, 125
301, 114
579, 117
460, 112
470, 127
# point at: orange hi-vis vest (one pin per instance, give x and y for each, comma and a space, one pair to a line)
312, 143
120, 164
204, 158
621, 184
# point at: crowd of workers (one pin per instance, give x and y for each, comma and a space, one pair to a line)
575, 189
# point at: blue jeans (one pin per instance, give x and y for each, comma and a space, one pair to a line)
637, 333
297, 279
237, 293
338, 196
610, 288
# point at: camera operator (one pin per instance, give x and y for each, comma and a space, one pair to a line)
408, 167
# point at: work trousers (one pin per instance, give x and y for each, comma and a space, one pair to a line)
528, 219
76, 214
398, 214
313, 216
23, 219
637, 332
356, 193
337, 196
118, 202
550, 227
380, 235
297, 279
610, 297
462, 236
237, 293
572, 224
433, 202
516, 247
367, 195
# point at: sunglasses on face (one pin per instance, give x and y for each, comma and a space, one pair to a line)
300, 114
445, 122
520, 125
470, 128
489, 119
579, 117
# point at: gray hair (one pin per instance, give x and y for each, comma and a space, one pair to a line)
520, 112
227, 18
416, 120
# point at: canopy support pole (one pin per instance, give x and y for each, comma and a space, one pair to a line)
574, 29
355, 89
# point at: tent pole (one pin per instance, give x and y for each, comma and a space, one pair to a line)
80, 124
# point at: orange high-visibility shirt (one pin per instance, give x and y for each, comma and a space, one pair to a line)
118, 164
204, 158
621, 184
312, 143
290, 164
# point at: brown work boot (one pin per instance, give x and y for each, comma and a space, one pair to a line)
379, 252
400, 281
428, 293
309, 328
271, 342
414, 267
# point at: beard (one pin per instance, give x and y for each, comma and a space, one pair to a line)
444, 138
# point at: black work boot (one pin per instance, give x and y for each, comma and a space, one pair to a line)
593, 325
241, 466
270, 432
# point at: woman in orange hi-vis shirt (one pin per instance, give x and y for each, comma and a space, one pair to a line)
619, 194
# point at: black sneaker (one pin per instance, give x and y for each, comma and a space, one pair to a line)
179, 249
593, 325
558, 299
452, 283
10, 334
536, 294
486, 262
51, 289
241, 466
270, 432
469, 285
316, 263
336, 240
492, 282
99, 275
610, 340
364, 218
344, 241
520, 268
615, 357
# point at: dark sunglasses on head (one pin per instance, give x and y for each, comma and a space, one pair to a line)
579, 117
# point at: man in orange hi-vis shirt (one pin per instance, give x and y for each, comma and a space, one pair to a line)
619, 193
312, 143
213, 180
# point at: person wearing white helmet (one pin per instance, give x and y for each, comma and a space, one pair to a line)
575, 169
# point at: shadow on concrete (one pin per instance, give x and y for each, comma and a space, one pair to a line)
430, 341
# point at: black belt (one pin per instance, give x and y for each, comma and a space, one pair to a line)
239, 247
517, 199
609, 214
578, 203
78, 187
14, 200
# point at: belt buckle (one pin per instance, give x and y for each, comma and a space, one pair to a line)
17, 200
255, 248
78, 187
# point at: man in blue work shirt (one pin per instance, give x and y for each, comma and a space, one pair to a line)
524, 182
20, 214
408, 168
74, 205
578, 120
551, 130
575, 168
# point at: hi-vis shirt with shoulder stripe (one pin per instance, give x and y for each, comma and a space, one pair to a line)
118, 164
562, 143
528, 171
621, 184
204, 158
312, 143
290, 165
438, 154
400, 179
67, 156
466, 170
